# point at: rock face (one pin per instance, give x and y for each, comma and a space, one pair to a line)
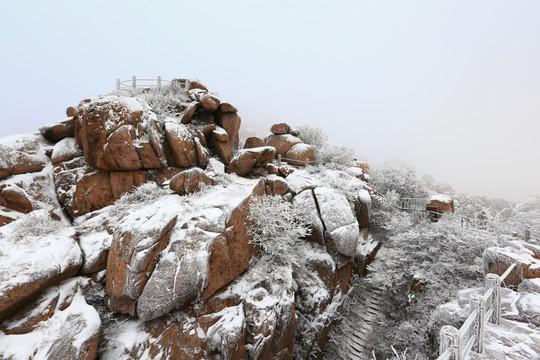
280, 129
189, 181
282, 143
299, 154
53, 258
210, 261
253, 142
525, 256
91, 196
137, 242
59, 130
57, 325
247, 159
115, 117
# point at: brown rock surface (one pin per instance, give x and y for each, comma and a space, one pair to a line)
210, 102
65, 150
147, 155
97, 120
280, 129
181, 142
231, 123
253, 142
282, 143
72, 331
54, 258
443, 203
156, 136
123, 182
137, 242
278, 185
188, 113
59, 130
299, 153
120, 153
197, 84
14, 162
246, 159
163, 175
525, 256
82, 189
227, 108
220, 335
70, 111
189, 181
193, 241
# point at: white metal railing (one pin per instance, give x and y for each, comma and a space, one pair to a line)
134, 83
412, 203
306, 162
456, 344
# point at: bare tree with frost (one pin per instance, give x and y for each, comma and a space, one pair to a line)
276, 228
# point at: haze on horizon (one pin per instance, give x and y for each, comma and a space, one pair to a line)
450, 87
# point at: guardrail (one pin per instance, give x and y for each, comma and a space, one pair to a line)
150, 83
456, 344
306, 162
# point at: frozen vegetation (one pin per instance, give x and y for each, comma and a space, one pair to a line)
139, 227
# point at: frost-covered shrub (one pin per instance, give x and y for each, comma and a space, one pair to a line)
276, 227
38, 223
313, 136
400, 178
143, 195
167, 100
325, 154
335, 156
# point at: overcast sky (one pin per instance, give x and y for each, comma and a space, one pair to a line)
450, 87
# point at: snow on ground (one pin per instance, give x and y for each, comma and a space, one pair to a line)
518, 335
64, 334
26, 258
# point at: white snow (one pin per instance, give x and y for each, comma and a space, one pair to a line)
34, 258
79, 322
66, 147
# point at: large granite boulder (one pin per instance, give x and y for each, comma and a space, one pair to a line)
110, 116
137, 241
282, 143
58, 324
189, 181
37, 252
59, 130
246, 159
198, 260
299, 154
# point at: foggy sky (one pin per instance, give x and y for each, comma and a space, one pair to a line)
450, 87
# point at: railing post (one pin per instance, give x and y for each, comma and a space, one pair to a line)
307, 162
117, 84
279, 160
493, 281
477, 303
527, 235
449, 339
134, 81
159, 82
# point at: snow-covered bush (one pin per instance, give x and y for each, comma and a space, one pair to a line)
38, 223
335, 156
313, 136
143, 195
400, 178
276, 227
325, 154
167, 100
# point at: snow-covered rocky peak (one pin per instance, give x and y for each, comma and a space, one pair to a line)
130, 219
